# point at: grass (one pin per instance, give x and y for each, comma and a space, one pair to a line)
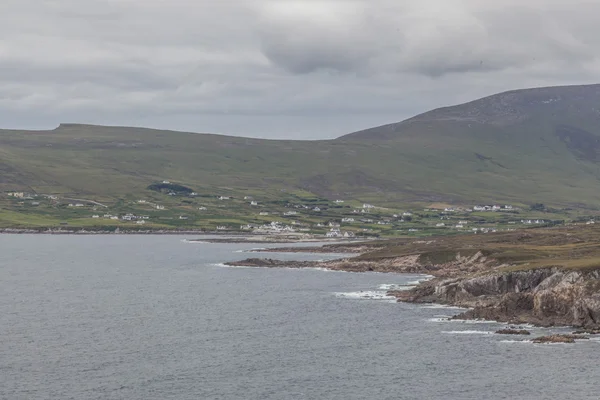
424, 164
502, 150
574, 248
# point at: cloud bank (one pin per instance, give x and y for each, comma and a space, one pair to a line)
301, 69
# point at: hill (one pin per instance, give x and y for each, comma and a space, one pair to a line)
525, 146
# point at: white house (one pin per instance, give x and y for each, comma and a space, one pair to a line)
264, 213
317, 209
166, 182
347, 219
406, 214
224, 198
334, 232
440, 225
95, 216
183, 217
202, 208
339, 201
349, 234
254, 203
367, 206
159, 207
140, 222
290, 213
247, 197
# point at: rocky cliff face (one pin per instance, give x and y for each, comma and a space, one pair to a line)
544, 297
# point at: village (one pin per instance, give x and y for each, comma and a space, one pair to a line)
173, 206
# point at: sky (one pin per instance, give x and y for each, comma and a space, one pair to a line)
309, 69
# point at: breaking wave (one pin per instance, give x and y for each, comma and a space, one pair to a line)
365, 295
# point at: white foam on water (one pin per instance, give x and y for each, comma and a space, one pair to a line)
462, 321
394, 286
365, 295
468, 332
516, 341
440, 319
318, 269
417, 282
221, 265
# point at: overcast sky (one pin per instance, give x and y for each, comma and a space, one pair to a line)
280, 69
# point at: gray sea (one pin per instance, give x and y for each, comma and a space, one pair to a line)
155, 317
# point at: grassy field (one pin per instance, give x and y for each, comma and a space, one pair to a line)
568, 247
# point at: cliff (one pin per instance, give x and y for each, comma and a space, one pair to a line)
545, 297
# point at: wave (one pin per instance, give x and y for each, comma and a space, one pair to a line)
465, 321
515, 341
469, 332
365, 295
222, 265
395, 286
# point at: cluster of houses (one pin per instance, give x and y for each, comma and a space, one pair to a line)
21, 195
139, 219
493, 208
273, 227
337, 233
532, 221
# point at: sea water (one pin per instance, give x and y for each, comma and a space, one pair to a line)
154, 317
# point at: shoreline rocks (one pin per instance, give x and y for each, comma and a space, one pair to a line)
510, 331
558, 339
542, 297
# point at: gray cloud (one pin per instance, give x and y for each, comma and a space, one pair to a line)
337, 65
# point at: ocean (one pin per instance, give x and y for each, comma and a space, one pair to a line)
156, 317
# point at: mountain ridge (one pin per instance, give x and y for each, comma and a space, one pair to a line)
522, 146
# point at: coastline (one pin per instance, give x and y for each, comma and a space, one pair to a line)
488, 289
228, 237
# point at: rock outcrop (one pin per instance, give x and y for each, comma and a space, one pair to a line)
513, 332
545, 297
558, 339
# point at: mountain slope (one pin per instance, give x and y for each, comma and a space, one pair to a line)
525, 146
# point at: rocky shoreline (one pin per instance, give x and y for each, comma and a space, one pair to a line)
490, 291
542, 297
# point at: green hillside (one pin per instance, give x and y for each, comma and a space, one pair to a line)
522, 147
